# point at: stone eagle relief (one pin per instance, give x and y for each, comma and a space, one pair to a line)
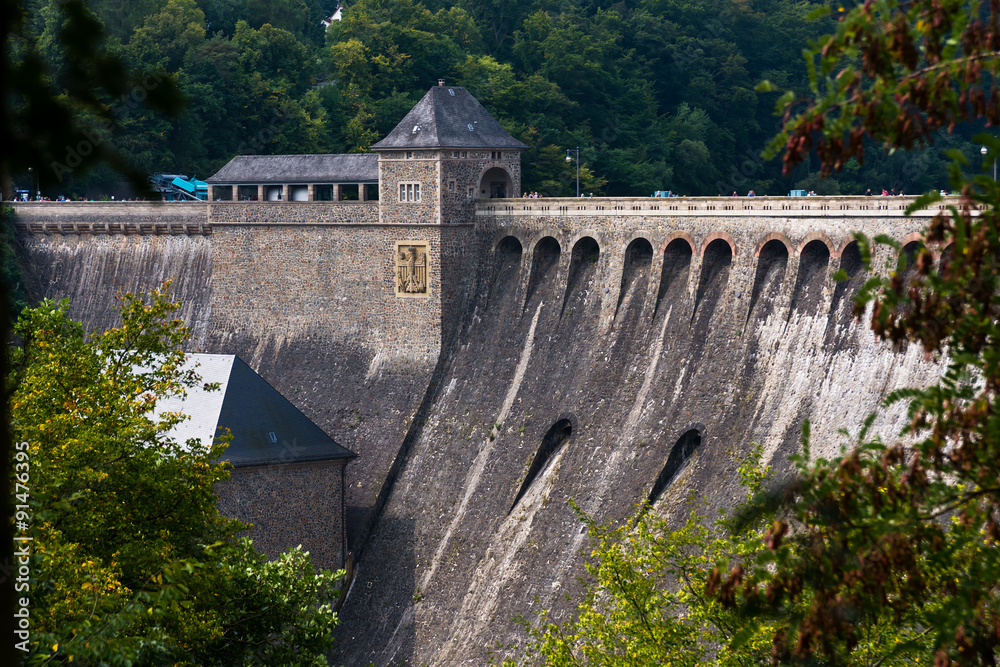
411, 268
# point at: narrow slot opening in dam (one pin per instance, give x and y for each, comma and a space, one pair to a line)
908, 271
506, 262
679, 454
556, 436
582, 271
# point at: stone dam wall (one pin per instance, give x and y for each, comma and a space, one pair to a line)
566, 348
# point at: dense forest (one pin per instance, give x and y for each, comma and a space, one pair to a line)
657, 94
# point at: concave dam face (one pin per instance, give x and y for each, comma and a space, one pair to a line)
590, 360
598, 372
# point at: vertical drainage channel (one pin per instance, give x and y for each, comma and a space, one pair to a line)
544, 262
555, 437
674, 275
506, 259
679, 454
851, 265
582, 268
908, 272
771, 264
808, 293
714, 276
838, 326
638, 259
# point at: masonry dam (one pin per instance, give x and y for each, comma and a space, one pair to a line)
609, 351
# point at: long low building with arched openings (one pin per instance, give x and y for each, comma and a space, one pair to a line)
290, 178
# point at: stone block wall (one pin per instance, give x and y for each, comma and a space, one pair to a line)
290, 505
397, 167
466, 173
294, 213
291, 280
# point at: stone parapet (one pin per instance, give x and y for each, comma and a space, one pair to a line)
112, 217
799, 207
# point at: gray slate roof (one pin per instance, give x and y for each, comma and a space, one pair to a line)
266, 427
320, 168
442, 120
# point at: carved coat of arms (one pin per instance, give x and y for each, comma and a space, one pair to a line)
411, 269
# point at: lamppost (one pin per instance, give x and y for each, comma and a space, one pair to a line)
983, 151
38, 189
569, 159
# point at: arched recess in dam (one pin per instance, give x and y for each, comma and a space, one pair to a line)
814, 263
679, 454
506, 265
842, 305
674, 274
582, 271
544, 263
635, 272
715, 263
772, 260
947, 257
554, 439
911, 251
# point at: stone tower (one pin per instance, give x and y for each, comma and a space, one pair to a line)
447, 152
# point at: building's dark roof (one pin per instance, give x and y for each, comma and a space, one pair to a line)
442, 120
266, 427
321, 168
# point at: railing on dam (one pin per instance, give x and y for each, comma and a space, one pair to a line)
874, 206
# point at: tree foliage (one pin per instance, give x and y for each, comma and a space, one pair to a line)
658, 94
131, 562
57, 69
906, 529
645, 602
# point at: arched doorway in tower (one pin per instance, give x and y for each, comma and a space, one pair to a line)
496, 184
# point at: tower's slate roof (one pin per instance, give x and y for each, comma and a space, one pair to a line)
319, 168
443, 118
266, 427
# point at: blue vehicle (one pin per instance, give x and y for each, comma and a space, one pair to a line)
194, 188
178, 187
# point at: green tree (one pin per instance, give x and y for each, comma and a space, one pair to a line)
165, 37
130, 560
906, 529
644, 602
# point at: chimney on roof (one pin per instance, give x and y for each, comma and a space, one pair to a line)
440, 82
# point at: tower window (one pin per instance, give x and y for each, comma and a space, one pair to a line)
409, 155
409, 192
451, 186
463, 155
